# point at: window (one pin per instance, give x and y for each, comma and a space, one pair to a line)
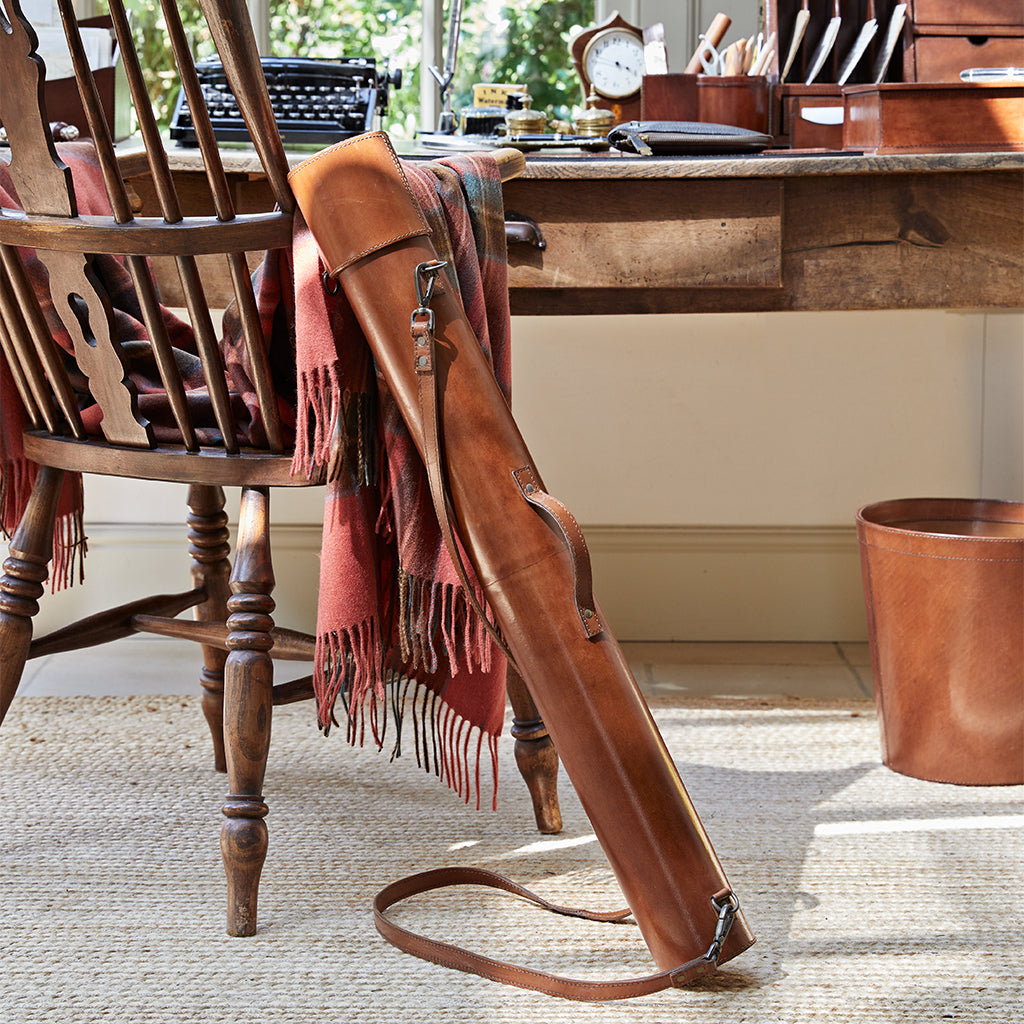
521, 41
525, 42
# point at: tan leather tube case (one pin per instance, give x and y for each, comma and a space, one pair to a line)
358, 207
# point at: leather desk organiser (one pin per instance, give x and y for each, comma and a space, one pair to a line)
795, 94
922, 117
738, 100
801, 133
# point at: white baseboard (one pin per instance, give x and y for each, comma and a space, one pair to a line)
741, 583
655, 583
127, 561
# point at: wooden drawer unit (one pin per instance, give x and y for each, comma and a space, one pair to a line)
1002, 17
948, 36
942, 58
605, 235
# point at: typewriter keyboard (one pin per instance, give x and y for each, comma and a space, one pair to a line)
315, 101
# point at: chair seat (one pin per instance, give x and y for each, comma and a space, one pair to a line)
249, 467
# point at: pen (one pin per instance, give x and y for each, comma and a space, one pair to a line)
714, 35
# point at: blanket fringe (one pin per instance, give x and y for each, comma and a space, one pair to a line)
69, 550
335, 427
350, 668
349, 665
444, 741
15, 487
69, 541
430, 610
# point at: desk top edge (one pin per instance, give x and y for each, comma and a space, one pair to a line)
777, 164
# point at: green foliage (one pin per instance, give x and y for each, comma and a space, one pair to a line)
150, 31
529, 45
388, 31
525, 42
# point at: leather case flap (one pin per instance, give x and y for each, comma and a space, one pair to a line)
356, 200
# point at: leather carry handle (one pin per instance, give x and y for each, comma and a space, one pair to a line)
582, 990
553, 509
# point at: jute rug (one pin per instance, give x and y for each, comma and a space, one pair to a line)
875, 898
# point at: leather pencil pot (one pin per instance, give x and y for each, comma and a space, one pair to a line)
526, 550
944, 590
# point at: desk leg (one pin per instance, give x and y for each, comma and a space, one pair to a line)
536, 756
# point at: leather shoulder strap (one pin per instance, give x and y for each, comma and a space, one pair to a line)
583, 990
423, 361
424, 355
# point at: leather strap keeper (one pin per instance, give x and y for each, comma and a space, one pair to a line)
368, 208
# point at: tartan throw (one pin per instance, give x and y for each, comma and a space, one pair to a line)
392, 614
393, 621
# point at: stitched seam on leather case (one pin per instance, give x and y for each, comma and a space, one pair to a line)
376, 248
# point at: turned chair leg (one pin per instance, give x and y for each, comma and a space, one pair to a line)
209, 546
536, 756
248, 704
25, 571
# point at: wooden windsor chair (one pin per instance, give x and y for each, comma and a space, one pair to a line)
231, 604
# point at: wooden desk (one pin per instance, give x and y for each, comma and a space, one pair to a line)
627, 234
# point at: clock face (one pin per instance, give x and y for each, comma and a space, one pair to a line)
614, 63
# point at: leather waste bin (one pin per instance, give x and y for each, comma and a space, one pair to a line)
944, 592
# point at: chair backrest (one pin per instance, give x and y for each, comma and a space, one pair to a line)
71, 246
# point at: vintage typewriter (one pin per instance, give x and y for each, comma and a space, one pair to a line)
316, 102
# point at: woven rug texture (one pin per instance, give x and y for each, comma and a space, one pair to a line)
874, 897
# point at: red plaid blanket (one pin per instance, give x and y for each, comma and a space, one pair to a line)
393, 621
17, 474
391, 612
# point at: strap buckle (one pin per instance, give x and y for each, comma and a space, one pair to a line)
426, 278
422, 322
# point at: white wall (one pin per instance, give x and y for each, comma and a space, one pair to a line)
725, 458
731, 451
684, 20
727, 454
